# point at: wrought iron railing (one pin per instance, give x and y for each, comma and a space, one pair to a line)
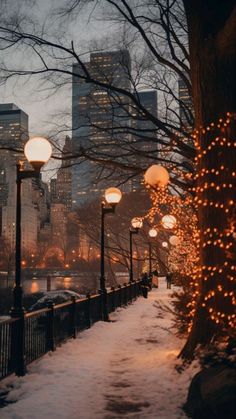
23, 340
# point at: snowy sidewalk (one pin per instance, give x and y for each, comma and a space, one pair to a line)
124, 368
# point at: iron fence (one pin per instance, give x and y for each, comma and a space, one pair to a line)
6, 356
43, 330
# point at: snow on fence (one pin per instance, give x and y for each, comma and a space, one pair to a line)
23, 340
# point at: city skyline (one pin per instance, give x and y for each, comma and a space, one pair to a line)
29, 94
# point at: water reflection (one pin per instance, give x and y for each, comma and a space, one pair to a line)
75, 283
81, 283
34, 287
67, 282
31, 286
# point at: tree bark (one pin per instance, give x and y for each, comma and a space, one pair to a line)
212, 41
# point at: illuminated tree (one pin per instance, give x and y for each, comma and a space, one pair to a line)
212, 36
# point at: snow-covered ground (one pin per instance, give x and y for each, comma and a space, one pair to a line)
124, 368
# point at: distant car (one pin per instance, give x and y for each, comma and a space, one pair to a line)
57, 297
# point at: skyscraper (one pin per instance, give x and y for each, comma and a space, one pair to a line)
95, 111
145, 133
145, 130
13, 129
53, 190
60, 191
13, 135
3, 190
185, 107
63, 183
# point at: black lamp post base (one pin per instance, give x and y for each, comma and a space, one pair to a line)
17, 310
18, 333
105, 314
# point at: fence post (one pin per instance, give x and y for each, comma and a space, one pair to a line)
73, 316
88, 307
18, 346
50, 327
131, 287
140, 288
113, 307
131, 291
125, 294
101, 304
128, 296
120, 296
135, 289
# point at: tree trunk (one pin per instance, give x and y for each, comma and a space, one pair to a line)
212, 33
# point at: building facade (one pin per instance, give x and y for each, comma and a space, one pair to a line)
95, 112
185, 107
64, 175
145, 133
29, 214
13, 136
13, 128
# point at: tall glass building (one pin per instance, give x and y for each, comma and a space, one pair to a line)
13, 135
144, 134
13, 127
95, 111
185, 106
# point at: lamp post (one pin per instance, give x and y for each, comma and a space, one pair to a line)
136, 224
156, 176
169, 221
152, 233
165, 245
112, 197
174, 240
37, 151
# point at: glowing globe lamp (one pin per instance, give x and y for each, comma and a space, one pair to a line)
168, 221
137, 222
152, 232
38, 151
174, 240
113, 196
156, 175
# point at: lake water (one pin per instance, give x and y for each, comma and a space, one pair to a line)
35, 285
81, 283
31, 286
76, 283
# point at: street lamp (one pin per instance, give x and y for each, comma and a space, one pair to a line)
38, 151
136, 224
112, 197
168, 221
152, 233
164, 244
174, 240
156, 175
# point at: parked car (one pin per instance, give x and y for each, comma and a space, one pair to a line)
57, 297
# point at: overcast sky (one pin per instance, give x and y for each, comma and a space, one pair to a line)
44, 111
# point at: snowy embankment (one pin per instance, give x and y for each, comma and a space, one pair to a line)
124, 368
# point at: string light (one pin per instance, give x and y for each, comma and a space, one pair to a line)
213, 191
